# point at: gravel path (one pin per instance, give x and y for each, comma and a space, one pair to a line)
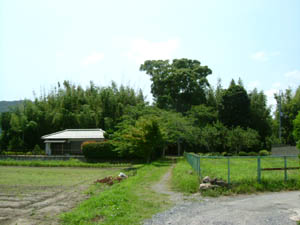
281, 208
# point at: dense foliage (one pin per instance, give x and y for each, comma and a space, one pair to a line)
65, 107
98, 150
177, 85
187, 114
290, 106
296, 131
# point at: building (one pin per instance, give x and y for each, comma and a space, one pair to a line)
68, 142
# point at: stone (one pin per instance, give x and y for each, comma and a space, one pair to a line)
221, 183
123, 175
204, 186
206, 180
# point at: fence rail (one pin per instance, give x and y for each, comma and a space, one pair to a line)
196, 162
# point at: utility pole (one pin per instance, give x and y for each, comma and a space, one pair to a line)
280, 114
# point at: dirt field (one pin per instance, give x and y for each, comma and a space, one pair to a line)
30, 196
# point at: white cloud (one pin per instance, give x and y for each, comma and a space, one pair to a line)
260, 56
295, 74
141, 50
276, 85
92, 58
263, 56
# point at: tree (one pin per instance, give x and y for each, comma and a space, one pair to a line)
234, 109
143, 140
202, 115
214, 137
296, 131
290, 105
260, 117
66, 106
177, 85
243, 140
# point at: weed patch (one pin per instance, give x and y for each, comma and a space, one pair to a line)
128, 202
184, 178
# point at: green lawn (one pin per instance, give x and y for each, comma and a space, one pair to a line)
245, 169
243, 175
31, 179
126, 203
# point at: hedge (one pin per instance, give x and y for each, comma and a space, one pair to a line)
99, 150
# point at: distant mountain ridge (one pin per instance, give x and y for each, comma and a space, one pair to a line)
5, 106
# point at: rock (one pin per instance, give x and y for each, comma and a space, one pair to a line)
204, 186
206, 180
123, 175
218, 182
221, 183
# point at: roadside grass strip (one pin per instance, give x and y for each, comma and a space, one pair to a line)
243, 175
60, 163
125, 203
184, 178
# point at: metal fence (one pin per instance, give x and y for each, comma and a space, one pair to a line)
230, 165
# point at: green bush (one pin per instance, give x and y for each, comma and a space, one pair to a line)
242, 153
264, 152
36, 149
99, 150
224, 153
13, 153
252, 154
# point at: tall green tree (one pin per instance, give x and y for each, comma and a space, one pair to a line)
177, 85
290, 105
234, 108
144, 139
296, 131
260, 116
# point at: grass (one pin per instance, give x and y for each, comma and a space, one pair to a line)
60, 163
243, 176
31, 179
125, 203
184, 178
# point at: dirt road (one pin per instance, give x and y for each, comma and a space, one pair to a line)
281, 208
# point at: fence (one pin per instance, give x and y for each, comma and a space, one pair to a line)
244, 167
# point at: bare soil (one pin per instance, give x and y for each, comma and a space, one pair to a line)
40, 207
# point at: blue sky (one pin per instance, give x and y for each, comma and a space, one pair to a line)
43, 42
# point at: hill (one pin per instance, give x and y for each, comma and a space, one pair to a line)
6, 105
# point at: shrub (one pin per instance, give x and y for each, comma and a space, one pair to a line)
99, 150
13, 153
242, 153
252, 154
264, 152
36, 149
224, 153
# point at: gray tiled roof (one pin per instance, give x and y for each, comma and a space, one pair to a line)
76, 134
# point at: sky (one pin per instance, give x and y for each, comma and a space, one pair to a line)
46, 42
